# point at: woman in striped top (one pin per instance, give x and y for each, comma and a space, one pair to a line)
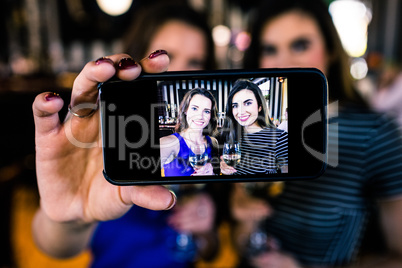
321, 223
264, 148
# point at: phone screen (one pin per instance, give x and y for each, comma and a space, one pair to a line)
250, 124
180, 113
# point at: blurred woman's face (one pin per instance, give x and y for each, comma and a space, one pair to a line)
185, 44
293, 40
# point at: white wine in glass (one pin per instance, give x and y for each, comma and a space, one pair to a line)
198, 156
231, 154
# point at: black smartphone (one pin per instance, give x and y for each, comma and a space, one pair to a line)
275, 132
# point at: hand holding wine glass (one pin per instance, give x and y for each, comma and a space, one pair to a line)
198, 155
260, 240
199, 160
231, 153
231, 157
193, 217
250, 207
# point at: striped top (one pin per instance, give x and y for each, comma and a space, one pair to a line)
321, 222
263, 152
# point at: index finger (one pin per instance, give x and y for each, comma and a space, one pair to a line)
95, 72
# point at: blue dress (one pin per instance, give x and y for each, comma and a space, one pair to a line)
141, 238
180, 166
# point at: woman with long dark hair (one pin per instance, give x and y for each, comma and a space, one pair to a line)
321, 223
263, 147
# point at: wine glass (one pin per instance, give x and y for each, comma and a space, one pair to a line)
183, 245
231, 153
198, 156
260, 240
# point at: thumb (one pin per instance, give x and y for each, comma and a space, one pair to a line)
154, 197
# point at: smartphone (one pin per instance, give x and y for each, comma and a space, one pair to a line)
147, 131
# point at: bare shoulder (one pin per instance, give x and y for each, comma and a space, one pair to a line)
169, 141
170, 148
169, 145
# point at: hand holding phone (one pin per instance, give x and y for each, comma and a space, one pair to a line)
73, 191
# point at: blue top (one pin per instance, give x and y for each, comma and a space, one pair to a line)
141, 238
180, 166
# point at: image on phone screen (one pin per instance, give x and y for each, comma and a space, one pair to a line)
223, 126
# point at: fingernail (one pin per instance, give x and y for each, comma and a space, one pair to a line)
157, 53
127, 63
173, 202
102, 60
51, 96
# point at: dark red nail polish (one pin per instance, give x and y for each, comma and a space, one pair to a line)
102, 60
157, 53
51, 96
127, 63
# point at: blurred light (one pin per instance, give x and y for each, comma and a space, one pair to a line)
235, 55
242, 41
221, 35
114, 7
351, 19
359, 68
23, 66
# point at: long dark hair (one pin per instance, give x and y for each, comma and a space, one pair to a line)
232, 131
212, 127
151, 17
339, 79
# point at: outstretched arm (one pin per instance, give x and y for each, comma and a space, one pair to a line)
73, 193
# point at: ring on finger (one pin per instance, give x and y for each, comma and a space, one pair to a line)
74, 110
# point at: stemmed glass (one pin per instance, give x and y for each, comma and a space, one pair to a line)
260, 240
231, 153
198, 156
183, 245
